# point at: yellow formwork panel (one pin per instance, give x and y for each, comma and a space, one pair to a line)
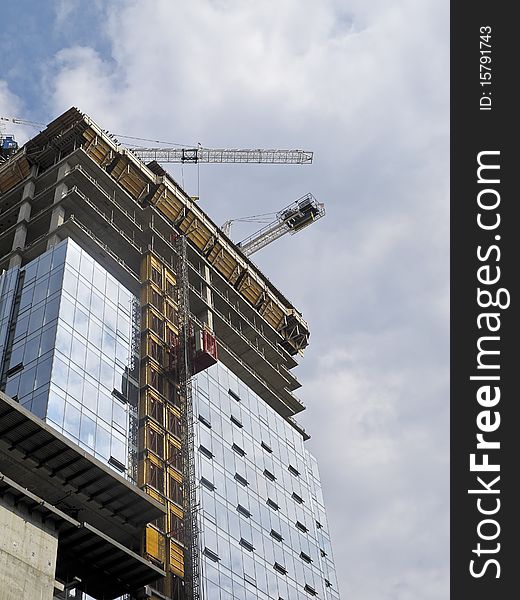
222, 260
147, 263
167, 202
176, 558
175, 486
174, 441
173, 452
12, 174
250, 289
156, 263
151, 310
171, 312
152, 294
175, 474
150, 336
151, 472
174, 522
175, 510
154, 440
154, 320
153, 493
196, 231
129, 177
152, 406
169, 284
272, 313
173, 421
151, 375
145, 267
153, 347
214, 252
154, 273
155, 545
141, 473
171, 333
97, 148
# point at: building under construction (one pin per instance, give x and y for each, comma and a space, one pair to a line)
148, 446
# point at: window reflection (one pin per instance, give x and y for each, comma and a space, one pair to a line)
95, 333
87, 430
81, 321
43, 373
35, 320
102, 441
118, 450
75, 383
72, 420
56, 408
67, 310
86, 267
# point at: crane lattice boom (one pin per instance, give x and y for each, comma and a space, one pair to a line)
204, 155
221, 155
293, 218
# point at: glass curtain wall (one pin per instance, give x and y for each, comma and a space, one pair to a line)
71, 355
264, 532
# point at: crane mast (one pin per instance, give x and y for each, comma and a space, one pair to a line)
222, 155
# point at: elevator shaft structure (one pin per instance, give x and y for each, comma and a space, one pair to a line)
192, 587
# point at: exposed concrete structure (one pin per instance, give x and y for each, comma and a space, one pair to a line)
87, 517
28, 549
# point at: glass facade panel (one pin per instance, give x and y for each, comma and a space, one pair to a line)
266, 506
72, 346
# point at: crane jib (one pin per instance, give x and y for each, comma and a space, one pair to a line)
216, 155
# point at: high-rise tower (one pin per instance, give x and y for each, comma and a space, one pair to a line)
148, 400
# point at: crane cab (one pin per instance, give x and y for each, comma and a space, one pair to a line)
303, 213
8, 146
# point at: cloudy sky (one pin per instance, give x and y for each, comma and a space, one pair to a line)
364, 84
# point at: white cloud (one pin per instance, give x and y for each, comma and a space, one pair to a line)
8, 101
79, 77
63, 10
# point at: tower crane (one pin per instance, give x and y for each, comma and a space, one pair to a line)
292, 219
197, 155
